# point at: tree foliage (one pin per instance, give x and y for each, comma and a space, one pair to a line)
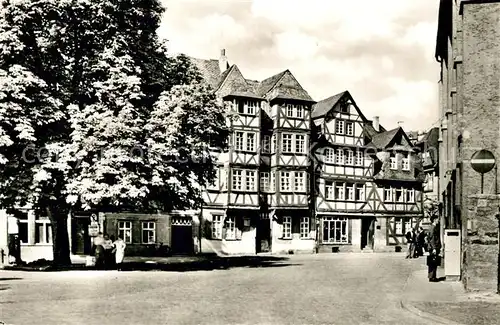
95, 114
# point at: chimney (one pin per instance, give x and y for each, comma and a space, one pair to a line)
222, 61
376, 124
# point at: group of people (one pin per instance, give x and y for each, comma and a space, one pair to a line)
108, 252
428, 243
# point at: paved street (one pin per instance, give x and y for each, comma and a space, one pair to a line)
307, 289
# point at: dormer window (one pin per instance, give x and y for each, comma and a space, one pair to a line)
289, 110
393, 162
300, 112
250, 107
339, 127
406, 163
349, 128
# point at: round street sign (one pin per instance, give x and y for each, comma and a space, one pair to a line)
483, 161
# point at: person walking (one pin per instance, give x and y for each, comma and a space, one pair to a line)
434, 248
119, 252
98, 250
409, 242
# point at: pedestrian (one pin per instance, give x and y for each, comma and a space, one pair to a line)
98, 250
420, 241
409, 242
434, 248
119, 252
108, 249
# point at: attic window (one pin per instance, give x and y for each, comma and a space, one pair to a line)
394, 162
344, 107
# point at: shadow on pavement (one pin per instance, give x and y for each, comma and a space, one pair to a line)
173, 264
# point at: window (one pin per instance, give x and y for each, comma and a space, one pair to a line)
360, 192
266, 144
287, 228
285, 182
399, 195
22, 218
239, 141
215, 185
250, 180
237, 179
273, 140
300, 143
264, 181
289, 110
406, 163
148, 232
43, 231
387, 194
299, 183
410, 196
349, 128
304, 227
349, 157
349, 192
429, 182
125, 231
339, 159
217, 226
251, 107
250, 141
339, 191
273, 181
339, 127
359, 158
287, 143
230, 227
398, 222
329, 155
300, 111
329, 190
335, 230
394, 163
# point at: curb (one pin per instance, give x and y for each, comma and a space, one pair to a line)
428, 316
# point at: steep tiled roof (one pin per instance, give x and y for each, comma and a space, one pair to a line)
267, 84
322, 107
209, 70
382, 140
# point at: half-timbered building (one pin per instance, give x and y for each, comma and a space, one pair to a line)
367, 191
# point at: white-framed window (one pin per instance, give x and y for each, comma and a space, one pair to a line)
339, 158
300, 141
266, 144
43, 231
125, 231
387, 194
360, 192
394, 163
240, 136
250, 145
329, 190
251, 107
299, 182
217, 222
287, 142
359, 158
285, 182
230, 227
349, 128
399, 195
273, 182
339, 127
349, 191
410, 196
250, 180
349, 157
148, 232
300, 111
339, 191
335, 230
273, 143
287, 228
398, 223
329, 155
22, 218
406, 163
237, 179
289, 110
304, 227
264, 181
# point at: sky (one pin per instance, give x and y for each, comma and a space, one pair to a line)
381, 51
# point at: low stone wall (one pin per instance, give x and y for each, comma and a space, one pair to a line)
480, 247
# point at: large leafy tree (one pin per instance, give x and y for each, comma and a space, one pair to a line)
95, 114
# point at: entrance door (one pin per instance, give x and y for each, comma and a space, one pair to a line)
81, 244
182, 239
263, 236
367, 232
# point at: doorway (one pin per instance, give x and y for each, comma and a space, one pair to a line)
263, 235
181, 241
81, 241
367, 232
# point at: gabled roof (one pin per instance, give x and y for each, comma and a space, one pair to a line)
384, 139
267, 84
209, 70
322, 107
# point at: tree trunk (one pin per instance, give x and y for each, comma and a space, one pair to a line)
60, 238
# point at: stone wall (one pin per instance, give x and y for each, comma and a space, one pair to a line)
480, 250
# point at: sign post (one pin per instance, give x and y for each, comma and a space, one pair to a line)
483, 161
